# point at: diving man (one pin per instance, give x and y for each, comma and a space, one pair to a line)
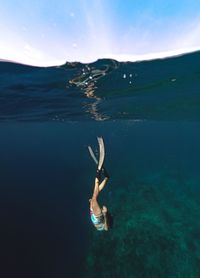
99, 216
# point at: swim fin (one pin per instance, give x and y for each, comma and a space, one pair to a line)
101, 152
103, 170
92, 155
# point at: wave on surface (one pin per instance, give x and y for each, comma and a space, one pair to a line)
162, 89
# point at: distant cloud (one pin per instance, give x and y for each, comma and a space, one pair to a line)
190, 35
33, 53
84, 30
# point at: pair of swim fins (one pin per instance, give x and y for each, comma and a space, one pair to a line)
99, 162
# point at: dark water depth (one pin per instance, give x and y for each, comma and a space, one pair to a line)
148, 114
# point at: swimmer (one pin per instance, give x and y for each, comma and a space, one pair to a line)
99, 216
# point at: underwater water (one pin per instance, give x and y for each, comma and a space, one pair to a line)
149, 116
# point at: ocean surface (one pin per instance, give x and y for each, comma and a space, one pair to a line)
149, 116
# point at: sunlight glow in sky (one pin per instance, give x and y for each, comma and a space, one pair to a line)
41, 32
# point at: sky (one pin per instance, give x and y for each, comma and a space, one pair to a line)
45, 33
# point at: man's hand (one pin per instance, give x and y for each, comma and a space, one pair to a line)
104, 209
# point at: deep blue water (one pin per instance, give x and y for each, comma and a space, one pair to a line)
149, 116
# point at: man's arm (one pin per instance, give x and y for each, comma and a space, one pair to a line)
106, 222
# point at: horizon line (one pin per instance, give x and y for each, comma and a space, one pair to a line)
118, 57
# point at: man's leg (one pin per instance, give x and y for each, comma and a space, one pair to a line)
93, 203
96, 188
103, 183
